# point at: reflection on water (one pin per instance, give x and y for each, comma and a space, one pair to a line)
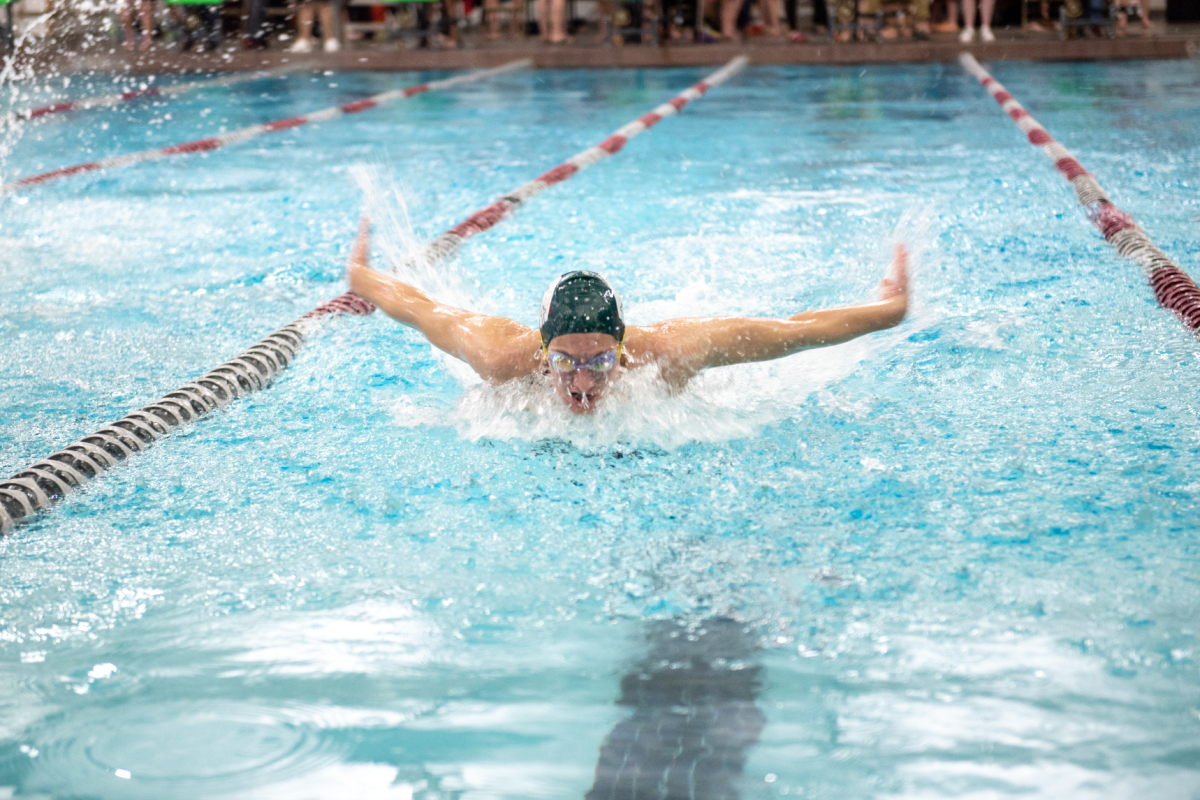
693, 716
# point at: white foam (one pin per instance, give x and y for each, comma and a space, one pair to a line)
720, 405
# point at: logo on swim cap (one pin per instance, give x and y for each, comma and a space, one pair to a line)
581, 302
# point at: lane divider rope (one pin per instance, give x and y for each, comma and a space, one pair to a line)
1173, 288
485, 218
243, 134
50, 480
103, 100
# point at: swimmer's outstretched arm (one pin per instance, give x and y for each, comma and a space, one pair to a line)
498, 349
684, 347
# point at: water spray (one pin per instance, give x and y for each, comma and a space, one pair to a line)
105, 100
51, 479
243, 134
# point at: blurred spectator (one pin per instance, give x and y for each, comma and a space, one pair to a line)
950, 24
255, 34
793, 20
128, 10
918, 10
197, 27
448, 24
552, 20
1143, 13
985, 21
491, 13
304, 27
734, 12
1044, 22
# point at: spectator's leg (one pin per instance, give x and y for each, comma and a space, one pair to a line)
920, 12
969, 14
423, 22
127, 11
147, 25
516, 22
820, 15
543, 20
304, 29
327, 31
951, 23
607, 10
770, 13
868, 11
789, 13
558, 21
210, 16
985, 19
491, 18
255, 34
729, 15
449, 24
178, 24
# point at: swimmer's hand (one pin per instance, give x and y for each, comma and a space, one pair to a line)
360, 254
498, 349
895, 283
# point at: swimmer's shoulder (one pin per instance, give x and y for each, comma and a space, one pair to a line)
512, 358
665, 345
668, 340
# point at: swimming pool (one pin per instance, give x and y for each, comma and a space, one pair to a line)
957, 558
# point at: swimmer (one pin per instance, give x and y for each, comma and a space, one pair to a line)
583, 343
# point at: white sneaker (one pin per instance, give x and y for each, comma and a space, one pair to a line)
301, 46
986, 35
332, 46
967, 36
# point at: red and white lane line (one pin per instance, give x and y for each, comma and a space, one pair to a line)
48, 481
1173, 288
214, 142
100, 101
485, 218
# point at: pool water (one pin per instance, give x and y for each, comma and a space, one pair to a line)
958, 558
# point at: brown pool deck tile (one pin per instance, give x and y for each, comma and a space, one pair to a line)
1174, 42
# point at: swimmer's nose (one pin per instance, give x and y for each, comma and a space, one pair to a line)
583, 380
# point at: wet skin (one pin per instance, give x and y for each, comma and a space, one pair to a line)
501, 350
583, 388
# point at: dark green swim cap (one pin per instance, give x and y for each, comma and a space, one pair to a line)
581, 302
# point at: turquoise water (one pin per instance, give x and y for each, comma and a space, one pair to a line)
954, 559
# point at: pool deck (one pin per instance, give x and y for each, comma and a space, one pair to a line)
1172, 42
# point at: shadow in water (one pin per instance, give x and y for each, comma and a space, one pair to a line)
693, 716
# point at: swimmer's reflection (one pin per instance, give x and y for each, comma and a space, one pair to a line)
693, 717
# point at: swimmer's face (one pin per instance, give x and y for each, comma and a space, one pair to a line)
582, 388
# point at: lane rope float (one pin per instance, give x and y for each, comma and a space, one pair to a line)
101, 101
51, 479
232, 137
1173, 288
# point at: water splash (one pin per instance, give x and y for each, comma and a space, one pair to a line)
386, 203
721, 405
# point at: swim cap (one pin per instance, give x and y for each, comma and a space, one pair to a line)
581, 302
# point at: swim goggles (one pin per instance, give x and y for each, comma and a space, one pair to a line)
565, 364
